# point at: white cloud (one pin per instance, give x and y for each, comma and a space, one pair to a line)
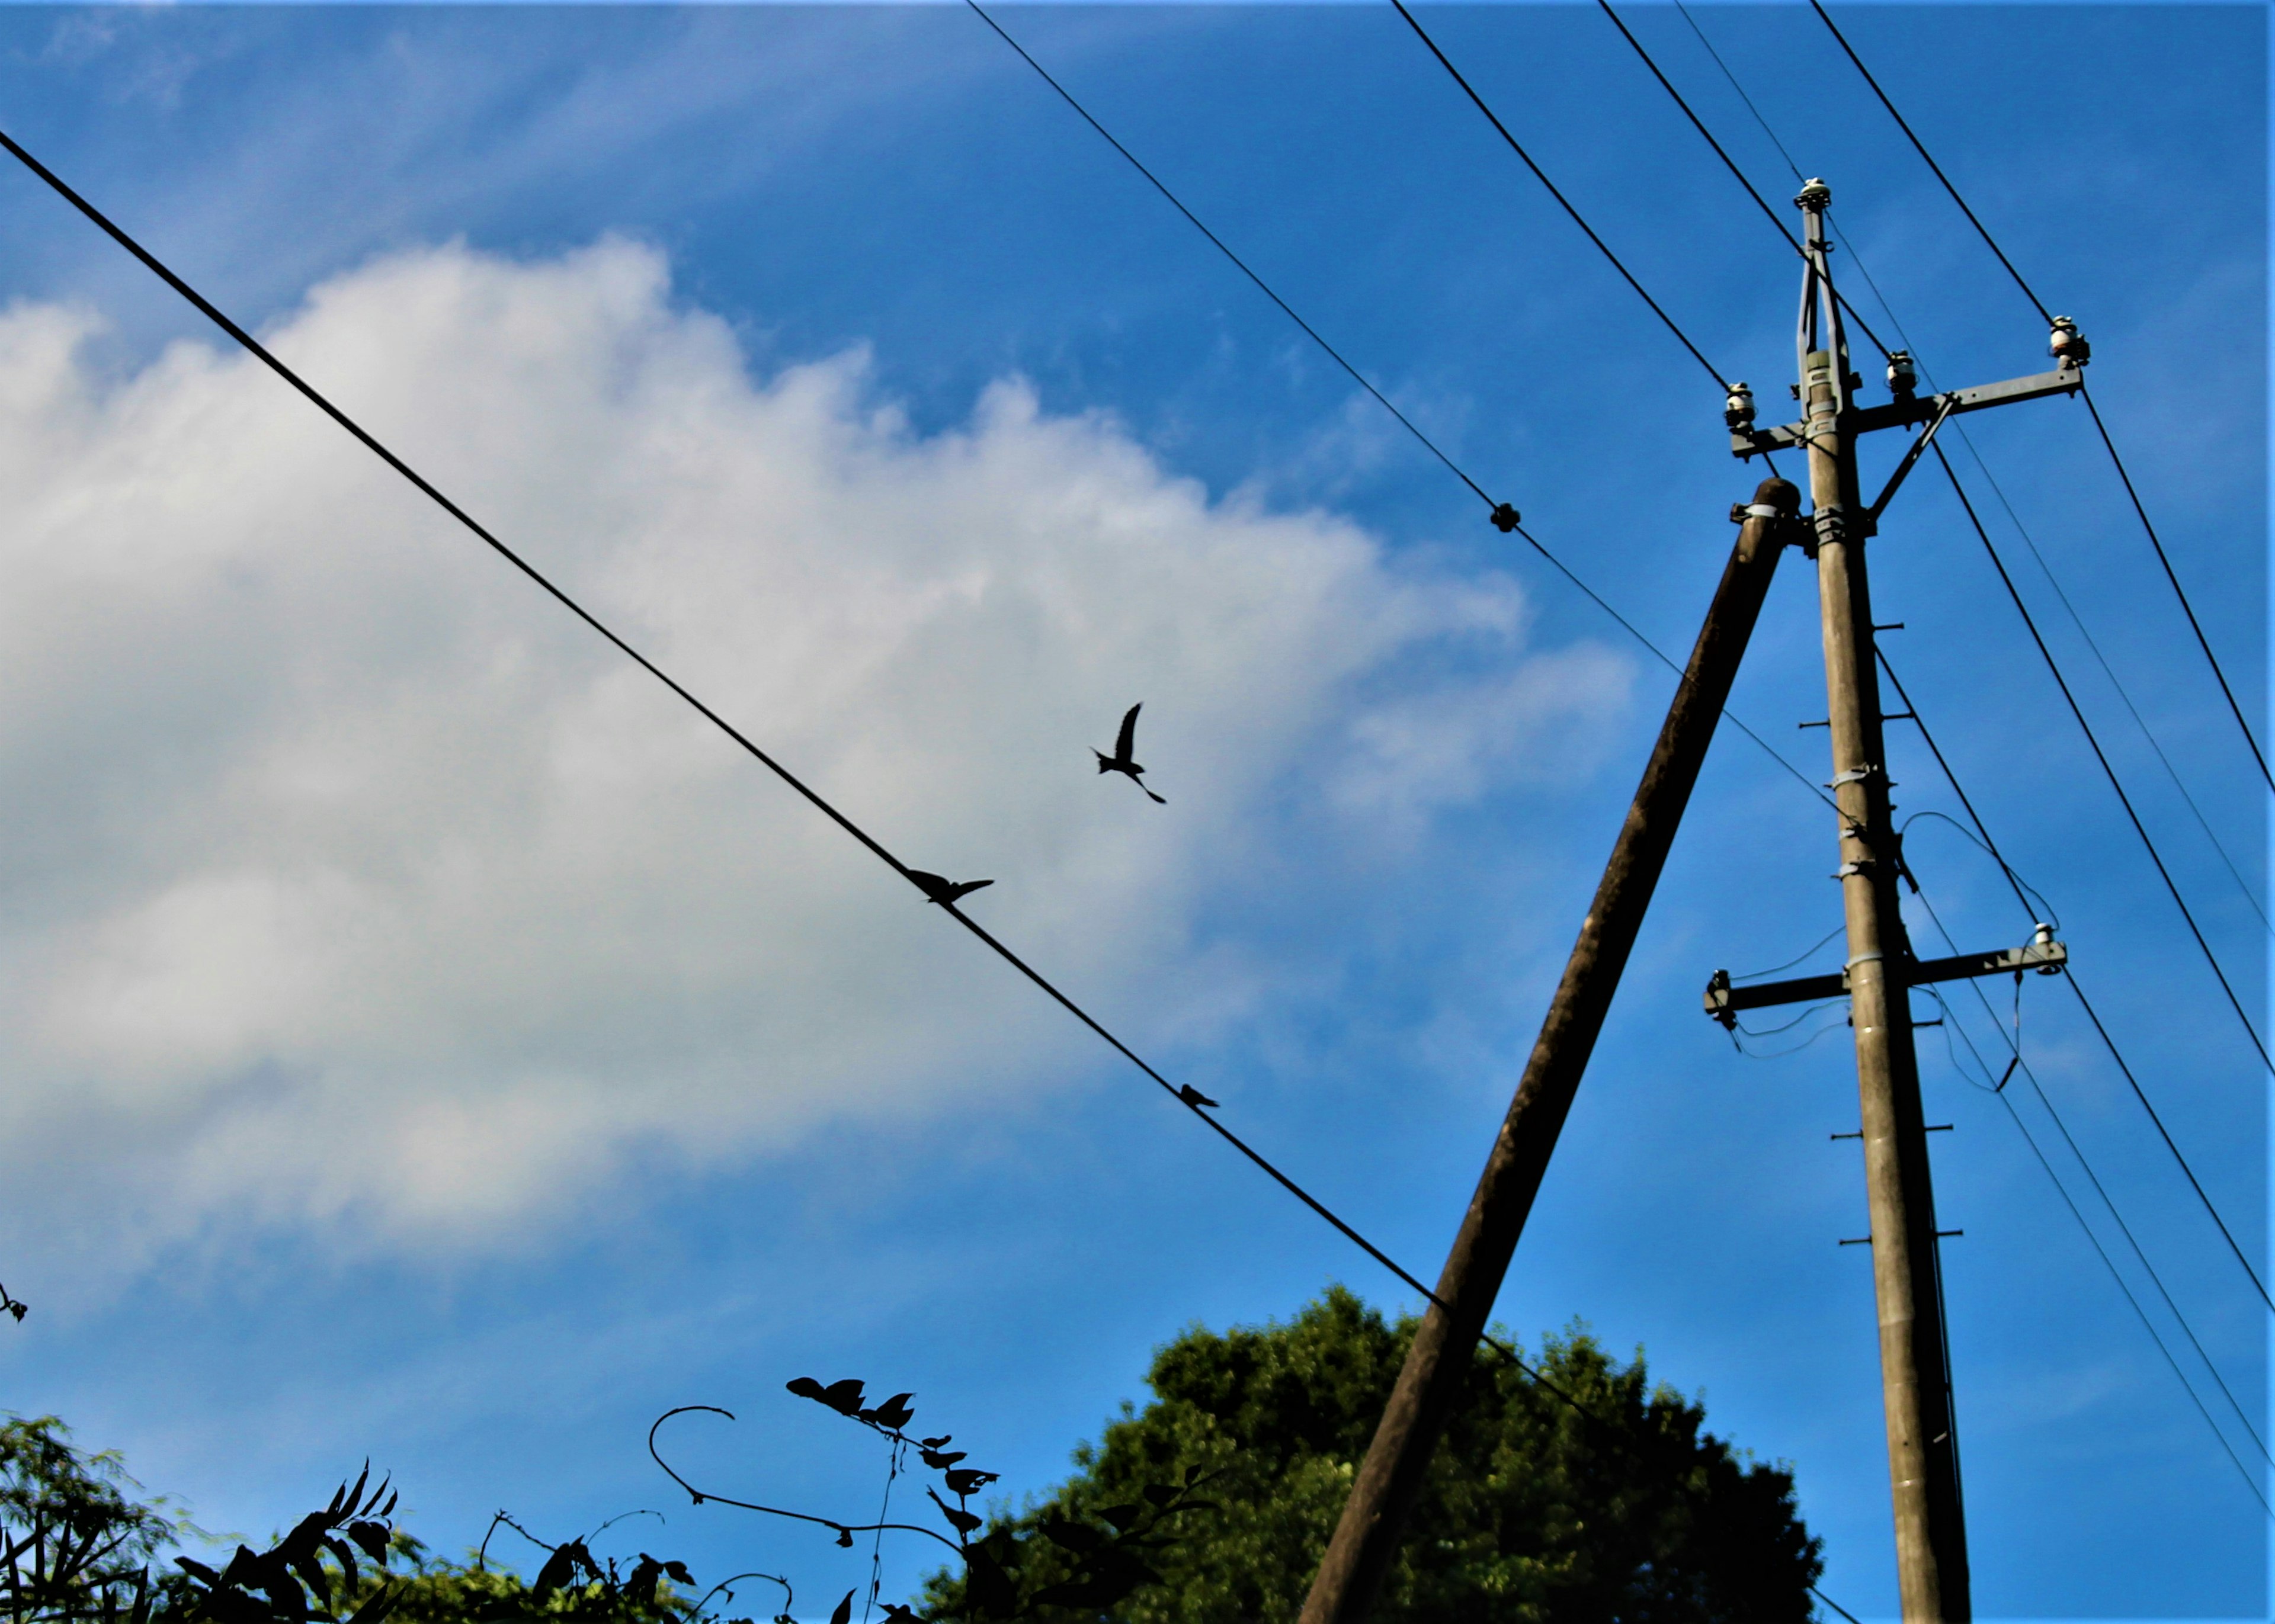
349, 882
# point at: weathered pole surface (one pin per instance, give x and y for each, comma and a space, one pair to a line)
1366, 1536
1915, 1383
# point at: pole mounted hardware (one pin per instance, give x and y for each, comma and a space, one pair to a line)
1724, 1001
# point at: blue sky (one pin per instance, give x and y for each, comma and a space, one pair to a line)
425, 1043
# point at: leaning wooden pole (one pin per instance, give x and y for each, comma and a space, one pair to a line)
1367, 1538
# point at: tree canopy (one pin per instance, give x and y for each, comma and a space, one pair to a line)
1610, 1502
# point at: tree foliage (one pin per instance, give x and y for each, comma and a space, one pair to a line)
1611, 1503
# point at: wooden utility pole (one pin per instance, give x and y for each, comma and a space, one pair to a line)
1922, 1453
1367, 1538
1915, 1385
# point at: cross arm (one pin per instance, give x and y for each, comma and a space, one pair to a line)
1908, 409
1723, 1001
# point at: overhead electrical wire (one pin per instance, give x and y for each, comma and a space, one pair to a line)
2235, 707
2024, 893
1541, 175
1505, 516
2069, 977
2220, 1434
2109, 772
2037, 1089
1186, 1096
1973, 450
1776, 220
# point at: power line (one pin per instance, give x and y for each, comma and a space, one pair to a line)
2188, 608
1186, 1096
2070, 977
1776, 220
2117, 1275
2234, 707
2125, 698
2031, 1076
2109, 772
1920, 148
1540, 175
1505, 517
1263, 287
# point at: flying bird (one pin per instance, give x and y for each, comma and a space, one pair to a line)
1120, 760
943, 892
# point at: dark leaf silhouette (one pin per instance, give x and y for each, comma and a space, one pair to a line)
941, 1460
805, 1387
992, 1593
844, 1611
965, 1481
942, 1442
678, 1570
1158, 1493
371, 1536
844, 1396
1072, 1535
1126, 1517
893, 1413
846, 1537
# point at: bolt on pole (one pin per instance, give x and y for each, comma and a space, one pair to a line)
1367, 1538
1915, 1384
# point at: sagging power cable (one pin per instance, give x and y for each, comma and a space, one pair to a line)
2108, 771
2022, 893
1505, 516
2172, 576
1187, 1097
1541, 175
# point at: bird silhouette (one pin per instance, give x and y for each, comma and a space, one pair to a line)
1192, 1095
1120, 761
941, 891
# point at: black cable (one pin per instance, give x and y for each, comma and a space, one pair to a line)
1920, 147
1539, 174
1505, 516
260, 352
2147, 1324
1756, 975
2093, 647
2234, 707
1262, 286
2109, 772
2078, 991
2093, 1178
1729, 163
2188, 608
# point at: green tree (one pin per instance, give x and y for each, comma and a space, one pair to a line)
1611, 1503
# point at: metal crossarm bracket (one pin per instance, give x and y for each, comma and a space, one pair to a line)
1907, 411
1723, 1001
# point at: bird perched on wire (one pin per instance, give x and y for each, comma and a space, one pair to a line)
941, 891
1120, 761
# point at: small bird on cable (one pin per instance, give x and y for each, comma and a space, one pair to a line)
1192, 1095
942, 892
1120, 761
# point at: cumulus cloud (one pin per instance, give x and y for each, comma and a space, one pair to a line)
350, 884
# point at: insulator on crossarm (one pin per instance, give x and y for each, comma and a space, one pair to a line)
1903, 377
1738, 413
2067, 344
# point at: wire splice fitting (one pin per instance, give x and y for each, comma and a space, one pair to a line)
1505, 517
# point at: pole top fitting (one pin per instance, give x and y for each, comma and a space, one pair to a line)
1903, 375
1814, 195
2067, 344
1738, 411
1780, 494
